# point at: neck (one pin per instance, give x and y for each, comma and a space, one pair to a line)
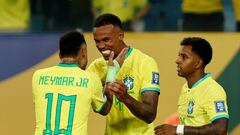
120, 49
69, 60
194, 78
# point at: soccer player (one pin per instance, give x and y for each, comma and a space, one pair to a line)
63, 94
136, 88
202, 103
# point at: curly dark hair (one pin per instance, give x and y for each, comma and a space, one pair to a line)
200, 46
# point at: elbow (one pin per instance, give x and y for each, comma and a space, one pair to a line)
104, 113
150, 118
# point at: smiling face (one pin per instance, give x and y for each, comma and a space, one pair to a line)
108, 38
187, 62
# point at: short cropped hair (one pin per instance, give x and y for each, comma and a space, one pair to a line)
200, 46
70, 43
106, 19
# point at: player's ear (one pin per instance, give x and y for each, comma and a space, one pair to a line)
199, 63
83, 50
121, 35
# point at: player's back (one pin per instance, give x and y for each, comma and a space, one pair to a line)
63, 97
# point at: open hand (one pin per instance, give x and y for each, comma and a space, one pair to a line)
121, 56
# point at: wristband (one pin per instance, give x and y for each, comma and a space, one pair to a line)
180, 129
116, 65
112, 71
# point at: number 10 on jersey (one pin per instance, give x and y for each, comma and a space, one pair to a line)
60, 99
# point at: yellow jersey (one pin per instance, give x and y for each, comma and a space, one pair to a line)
203, 103
139, 73
202, 6
124, 9
63, 95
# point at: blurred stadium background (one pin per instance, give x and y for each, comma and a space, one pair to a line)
28, 43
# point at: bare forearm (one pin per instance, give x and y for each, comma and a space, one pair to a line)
141, 110
107, 107
215, 129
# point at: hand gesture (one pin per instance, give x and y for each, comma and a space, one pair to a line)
118, 89
110, 60
121, 56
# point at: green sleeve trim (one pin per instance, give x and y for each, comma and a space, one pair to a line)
151, 89
100, 109
220, 116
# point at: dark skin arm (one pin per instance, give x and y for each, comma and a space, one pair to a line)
145, 110
218, 127
107, 107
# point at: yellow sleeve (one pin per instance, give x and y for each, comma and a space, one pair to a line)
216, 105
98, 100
150, 76
99, 68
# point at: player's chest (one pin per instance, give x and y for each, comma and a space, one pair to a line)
190, 106
132, 80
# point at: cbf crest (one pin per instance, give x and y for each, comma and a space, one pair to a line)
128, 82
190, 106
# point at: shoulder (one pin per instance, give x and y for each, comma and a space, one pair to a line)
91, 75
143, 56
100, 62
42, 71
214, 88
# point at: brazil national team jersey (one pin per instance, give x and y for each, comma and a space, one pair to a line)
139, 73
203, 103
63, 96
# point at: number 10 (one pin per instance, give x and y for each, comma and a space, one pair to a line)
57, 130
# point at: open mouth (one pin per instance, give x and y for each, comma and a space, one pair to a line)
106, 53
178, 69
